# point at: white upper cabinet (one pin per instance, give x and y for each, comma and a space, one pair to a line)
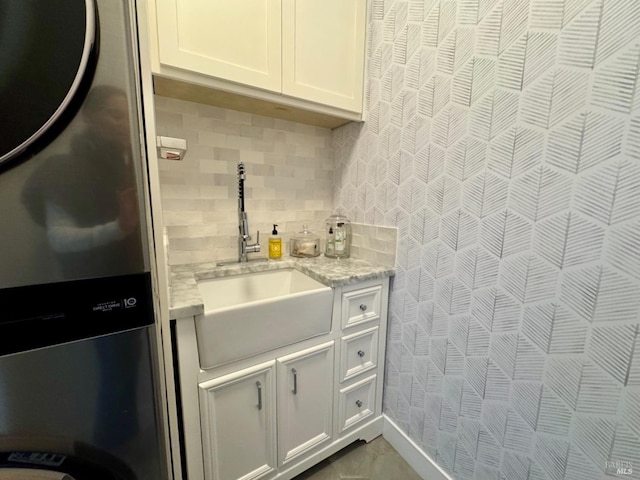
306, 54
323, 45
237, 41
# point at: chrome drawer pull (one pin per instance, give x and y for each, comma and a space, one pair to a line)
363, 307
360, 353
359, 403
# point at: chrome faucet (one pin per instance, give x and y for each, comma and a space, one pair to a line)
244, 247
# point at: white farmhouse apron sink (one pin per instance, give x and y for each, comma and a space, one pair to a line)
252, 313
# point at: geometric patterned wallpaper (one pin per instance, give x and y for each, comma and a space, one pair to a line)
503, 141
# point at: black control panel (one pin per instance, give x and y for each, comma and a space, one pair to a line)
37, 316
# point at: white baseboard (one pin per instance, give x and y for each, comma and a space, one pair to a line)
411, 452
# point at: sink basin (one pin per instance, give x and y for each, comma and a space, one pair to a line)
253, 313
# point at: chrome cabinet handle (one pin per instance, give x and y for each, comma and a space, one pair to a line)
295, 381
363, 307
359, 403
259, 385
360, 353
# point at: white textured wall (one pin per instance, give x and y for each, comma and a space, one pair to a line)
289, 170
503, 141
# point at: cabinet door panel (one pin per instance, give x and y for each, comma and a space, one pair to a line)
238, 413
305, 397
237, 41
323, 51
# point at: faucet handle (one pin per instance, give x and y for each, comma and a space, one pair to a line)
258, 237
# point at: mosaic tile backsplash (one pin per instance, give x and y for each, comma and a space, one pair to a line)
503, 141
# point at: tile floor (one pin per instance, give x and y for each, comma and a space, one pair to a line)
376, 460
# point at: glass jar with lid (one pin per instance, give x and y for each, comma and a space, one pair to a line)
338, 230
304, 244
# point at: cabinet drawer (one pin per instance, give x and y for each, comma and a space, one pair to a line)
361, 306
357, 402
358, 353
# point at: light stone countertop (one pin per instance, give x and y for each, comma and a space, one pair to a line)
186, 300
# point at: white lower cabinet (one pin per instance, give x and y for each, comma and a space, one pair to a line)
238, 414
275, 415
305, 398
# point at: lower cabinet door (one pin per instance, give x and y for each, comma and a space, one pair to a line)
238, 430
305, 401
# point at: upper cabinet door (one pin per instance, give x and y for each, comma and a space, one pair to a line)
234, 40
323, 46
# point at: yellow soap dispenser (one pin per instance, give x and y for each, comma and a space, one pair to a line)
275, 244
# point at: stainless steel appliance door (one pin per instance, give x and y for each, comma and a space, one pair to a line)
34, 74
98, 392
75, 209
